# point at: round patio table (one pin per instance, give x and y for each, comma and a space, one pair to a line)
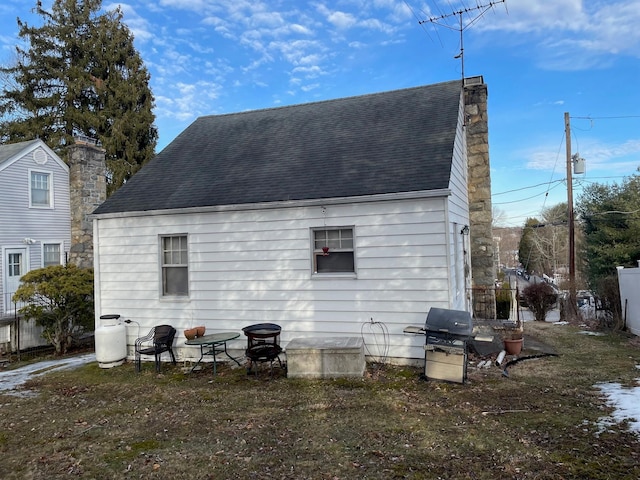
213, 344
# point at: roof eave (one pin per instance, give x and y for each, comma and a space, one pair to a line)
386, 197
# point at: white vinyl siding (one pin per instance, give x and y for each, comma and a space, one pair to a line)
20, 221
252, 266
458, 218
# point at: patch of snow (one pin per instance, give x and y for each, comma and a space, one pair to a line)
10, 380
626, 404
590, 333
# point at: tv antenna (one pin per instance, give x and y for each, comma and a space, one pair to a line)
461, 27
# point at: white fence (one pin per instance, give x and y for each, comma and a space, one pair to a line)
629, 281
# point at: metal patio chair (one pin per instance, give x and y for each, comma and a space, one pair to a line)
156, 342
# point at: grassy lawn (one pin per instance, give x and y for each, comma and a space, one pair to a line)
542, 422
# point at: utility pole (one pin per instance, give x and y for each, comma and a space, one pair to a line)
572, 249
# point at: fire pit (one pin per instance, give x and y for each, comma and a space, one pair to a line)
263, 344
447, 333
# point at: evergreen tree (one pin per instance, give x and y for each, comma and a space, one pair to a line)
80, 75
611, 221
526, 249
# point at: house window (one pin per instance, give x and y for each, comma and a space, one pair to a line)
40, 189
51, 254
15, 265
333, 250
175, 268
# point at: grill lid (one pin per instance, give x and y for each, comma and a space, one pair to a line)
455, 322
262, 330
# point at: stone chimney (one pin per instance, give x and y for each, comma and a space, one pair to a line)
479, 183
88, 189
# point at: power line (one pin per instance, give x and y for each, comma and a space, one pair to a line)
529, 198
620, 117
526, 188
560, 180
609, 212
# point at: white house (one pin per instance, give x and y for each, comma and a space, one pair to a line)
319, 217
35, 221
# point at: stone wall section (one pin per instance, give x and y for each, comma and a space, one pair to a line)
483, 272
88, 185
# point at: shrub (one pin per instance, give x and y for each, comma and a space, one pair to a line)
541, 298
503, 301
607, 292
60, 299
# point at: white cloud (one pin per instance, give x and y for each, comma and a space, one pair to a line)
309, 72
139, 26
189, 100
296, 51
341, 20
265, 20
599, 157
568, 34
308, 88
300, 29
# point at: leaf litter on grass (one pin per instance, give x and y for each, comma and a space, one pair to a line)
541, 422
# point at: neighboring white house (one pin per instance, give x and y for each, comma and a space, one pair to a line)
35, 221
319, 217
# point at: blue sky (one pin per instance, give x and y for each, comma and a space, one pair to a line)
539, 59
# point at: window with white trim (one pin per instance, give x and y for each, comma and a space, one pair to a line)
40, 187
51, 254
175, 265
333, 250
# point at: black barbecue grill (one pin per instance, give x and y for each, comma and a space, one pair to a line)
446, 335
263, 344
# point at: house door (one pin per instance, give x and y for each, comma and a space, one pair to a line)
15, 265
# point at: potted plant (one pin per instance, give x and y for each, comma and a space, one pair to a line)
191, 333
513, 341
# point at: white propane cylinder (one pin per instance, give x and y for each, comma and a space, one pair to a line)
111, 342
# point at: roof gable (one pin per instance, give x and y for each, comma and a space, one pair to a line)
12, 152
391, 142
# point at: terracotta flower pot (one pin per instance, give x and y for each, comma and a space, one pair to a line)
200, 331
513, 346
191, 333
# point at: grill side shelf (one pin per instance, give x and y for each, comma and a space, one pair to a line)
414, 330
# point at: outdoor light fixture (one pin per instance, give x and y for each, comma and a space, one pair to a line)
28, 241
465, 230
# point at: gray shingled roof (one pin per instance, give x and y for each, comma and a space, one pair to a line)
10, 150
391, 142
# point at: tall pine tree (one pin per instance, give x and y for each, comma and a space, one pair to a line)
610, 217
80, 75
